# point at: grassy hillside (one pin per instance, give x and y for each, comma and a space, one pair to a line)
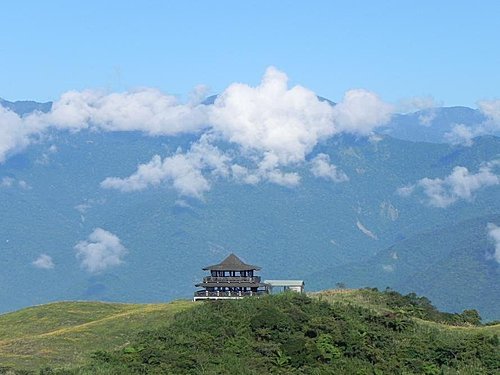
63, 333
338, 331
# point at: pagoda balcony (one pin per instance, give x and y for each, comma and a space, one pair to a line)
205, 293
231, 279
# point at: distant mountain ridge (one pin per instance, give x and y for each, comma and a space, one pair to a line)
24, 107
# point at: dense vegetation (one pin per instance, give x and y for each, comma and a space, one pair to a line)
296, 334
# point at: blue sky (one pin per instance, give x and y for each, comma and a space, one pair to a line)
448, 49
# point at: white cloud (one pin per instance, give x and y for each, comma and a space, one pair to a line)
242, 174
273, 118
491, 109
288, 122
360, 112
146, 110
198, 94
184, 171
460, 184
426, 118
278, 177
182, 203
44, 261
102, 250
321, 167
15, 132
461, 134
418, 103
405, 191
425, 105
494, 236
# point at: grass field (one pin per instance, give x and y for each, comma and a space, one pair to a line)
66, 333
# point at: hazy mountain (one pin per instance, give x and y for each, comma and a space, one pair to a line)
51, 200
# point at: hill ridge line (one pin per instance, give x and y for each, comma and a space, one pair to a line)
135, 310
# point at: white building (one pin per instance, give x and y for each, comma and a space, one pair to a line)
284, 285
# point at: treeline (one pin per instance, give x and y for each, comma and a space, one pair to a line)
295, 334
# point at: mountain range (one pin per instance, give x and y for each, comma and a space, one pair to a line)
404, 217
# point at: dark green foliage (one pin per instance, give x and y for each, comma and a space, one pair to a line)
293, 334
411, 305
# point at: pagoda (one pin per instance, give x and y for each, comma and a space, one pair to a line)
230, 279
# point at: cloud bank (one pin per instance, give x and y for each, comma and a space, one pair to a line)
460, 184
146, 110
100, 251
272, 127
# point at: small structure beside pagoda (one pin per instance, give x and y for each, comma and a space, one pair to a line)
230, 279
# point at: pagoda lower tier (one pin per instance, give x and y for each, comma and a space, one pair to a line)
229, 289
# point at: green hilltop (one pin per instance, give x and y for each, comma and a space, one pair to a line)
362, 331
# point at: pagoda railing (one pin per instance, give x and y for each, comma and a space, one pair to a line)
231, 279
205, 293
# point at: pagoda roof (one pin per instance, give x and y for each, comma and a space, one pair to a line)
231, 263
